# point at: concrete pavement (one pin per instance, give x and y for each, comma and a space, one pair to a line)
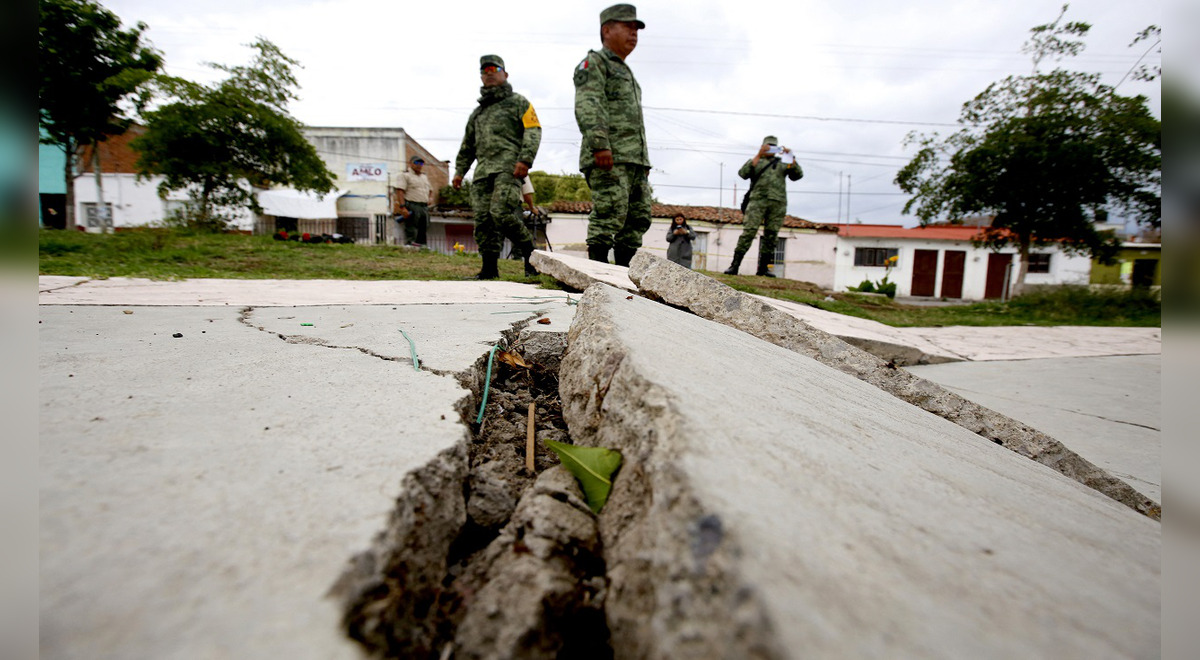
199, 494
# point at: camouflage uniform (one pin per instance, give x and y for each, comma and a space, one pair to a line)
767, 206
608, 109
501, 132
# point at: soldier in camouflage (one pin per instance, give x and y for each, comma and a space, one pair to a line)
503, 134
613, 155
767, 203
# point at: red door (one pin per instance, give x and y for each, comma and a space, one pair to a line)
997, 275
954, 264
924, 272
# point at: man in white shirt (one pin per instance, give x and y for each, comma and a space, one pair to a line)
414, 194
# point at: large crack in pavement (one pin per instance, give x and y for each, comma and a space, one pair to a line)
482, 557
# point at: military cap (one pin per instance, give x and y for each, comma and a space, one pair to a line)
491, 59
772, 140
621, 13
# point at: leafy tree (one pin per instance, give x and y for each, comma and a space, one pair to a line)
563, 187
448, 196
87, 66
220, 142
1046, 154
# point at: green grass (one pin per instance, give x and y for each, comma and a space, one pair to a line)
173, 254
1066, 305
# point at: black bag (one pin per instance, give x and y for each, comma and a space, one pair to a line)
753, 180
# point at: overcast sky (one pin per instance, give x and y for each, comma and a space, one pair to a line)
839, 83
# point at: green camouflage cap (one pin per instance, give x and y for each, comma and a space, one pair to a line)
771, 140
491, 59
621, 13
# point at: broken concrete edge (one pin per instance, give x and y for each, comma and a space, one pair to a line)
708, 298
562, 268
435, 579
674, 583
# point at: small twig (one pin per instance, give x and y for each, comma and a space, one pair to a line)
529, 441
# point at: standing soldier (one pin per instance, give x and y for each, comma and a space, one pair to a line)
613, 155
767, 202
503, 133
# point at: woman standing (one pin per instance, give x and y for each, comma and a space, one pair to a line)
680, 237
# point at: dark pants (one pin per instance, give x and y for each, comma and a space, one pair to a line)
417, 222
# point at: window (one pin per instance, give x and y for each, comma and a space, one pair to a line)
1039, 262
94, 217
874, 256
780, 257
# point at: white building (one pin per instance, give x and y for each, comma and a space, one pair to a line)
939, 261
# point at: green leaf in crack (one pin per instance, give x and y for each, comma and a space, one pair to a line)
594, 467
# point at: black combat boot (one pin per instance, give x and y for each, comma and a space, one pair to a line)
491, 266
737, 263
598, 253
623, 255
764, 266
527, 251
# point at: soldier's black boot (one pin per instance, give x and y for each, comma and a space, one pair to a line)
598, 253
527, 250
737, 263
764, 266
623, 255
491, 266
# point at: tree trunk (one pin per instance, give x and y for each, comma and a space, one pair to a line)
1022, 267
101, 209
69, 180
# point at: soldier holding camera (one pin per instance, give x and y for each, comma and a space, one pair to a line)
766, 203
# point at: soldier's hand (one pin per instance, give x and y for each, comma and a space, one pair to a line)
521, 170
604, 159
762, 151
457, 182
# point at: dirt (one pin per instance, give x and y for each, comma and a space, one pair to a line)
482, 557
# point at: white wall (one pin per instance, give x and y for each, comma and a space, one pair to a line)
808, 256
134, 203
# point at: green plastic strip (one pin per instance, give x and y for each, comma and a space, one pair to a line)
487, 384
413, 348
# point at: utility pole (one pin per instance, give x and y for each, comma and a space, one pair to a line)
839, 218
848, 182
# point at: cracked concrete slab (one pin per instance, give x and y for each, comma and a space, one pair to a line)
1075, 401
812, 515
578, 272
905, 346
199, 494
710, 299
58, 290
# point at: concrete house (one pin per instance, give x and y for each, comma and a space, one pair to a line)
939, 261
366, 163
804, 251
1137, 266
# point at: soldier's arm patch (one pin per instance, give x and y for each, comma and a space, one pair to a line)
529, 119
581, 72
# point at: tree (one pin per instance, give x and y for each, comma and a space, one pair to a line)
220, 142
563, 187
1046, 154
87, 67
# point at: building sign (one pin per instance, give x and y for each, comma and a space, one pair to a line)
366, 172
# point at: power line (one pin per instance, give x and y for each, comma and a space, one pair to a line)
801, 117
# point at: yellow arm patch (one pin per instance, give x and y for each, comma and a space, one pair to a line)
529, 119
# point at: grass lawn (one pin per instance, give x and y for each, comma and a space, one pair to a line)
168, 254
